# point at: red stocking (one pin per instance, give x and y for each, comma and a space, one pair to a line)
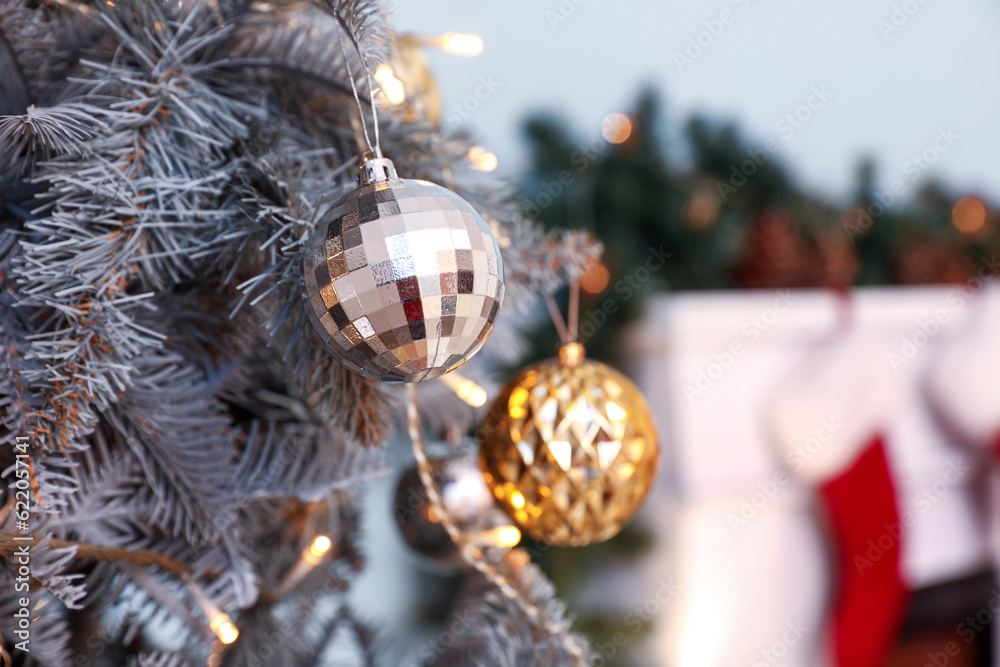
872, 599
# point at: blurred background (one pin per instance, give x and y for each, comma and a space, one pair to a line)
798, 204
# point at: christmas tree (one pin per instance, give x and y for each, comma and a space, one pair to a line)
180, 450
729, 211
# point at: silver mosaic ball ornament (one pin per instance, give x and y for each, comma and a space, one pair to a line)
403, 279
465, 497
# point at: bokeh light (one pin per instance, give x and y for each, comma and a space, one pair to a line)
595, 278
616, 128
482, 159
969, 215
462, 44
392, 87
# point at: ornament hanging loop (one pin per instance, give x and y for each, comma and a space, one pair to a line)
569, 331
377, 148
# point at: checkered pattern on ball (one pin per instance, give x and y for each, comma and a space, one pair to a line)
403, 280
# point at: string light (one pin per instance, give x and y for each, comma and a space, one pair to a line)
465, 389
482, 160
224, 628
392, 87
462, 44
320, 546
219, 621
314, 554
501, 536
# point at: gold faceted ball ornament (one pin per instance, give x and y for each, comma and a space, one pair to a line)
569, 449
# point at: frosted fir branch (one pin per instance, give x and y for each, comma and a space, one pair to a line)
63, 129
273, 241
158, 660
497, 634
50, 564
179, 433
139, 195
234, 556
50, 632
113, 506
105, 505
295, 523
288, 619
364, 24
359, 634
51, 568
15, 399
154, 600
303, 461
318, 395
357, 405
101, 506
260, 249
41, 41
536, 262
291, 38
146, 599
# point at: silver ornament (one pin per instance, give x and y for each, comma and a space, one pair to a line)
465, 497
403, 279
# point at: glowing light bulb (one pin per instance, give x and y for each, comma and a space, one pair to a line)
392, 87
481, 159
475, 396
462, 44
224, 629
320, 545
228, 633
516, 499
465, 389
313, 554
501, 536
504, 536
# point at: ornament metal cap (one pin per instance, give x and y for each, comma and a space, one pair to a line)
572, 355
375, 169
